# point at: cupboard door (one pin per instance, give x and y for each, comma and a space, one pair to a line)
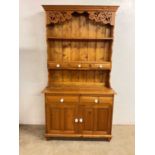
53, 118
95, 119
69, 119
60, 118
102, 119
86, 119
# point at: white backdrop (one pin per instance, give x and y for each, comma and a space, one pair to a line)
33, 70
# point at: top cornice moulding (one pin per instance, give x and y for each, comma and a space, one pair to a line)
112, 8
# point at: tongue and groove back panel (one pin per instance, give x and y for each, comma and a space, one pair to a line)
76, 51
81, 78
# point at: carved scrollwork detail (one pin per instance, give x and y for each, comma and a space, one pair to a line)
58, 16
104, 17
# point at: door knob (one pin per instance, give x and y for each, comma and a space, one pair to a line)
96, 100
76, 120
79, 65
61, 100
100, 66
58, 65
81, 120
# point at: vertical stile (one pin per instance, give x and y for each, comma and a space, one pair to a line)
91, 49
75, 76
100, 31
57, 45
83, 29
90, 76
58, 51
108, 32
66, 49
83, 33
75, 44
99, 51
49, 46
66, 45
91, 45
75, 55
66, 76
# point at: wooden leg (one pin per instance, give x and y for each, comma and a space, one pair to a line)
109, 139
47, 138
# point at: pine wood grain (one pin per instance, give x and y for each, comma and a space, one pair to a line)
79, 98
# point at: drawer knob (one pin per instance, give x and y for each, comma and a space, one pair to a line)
61, 100
58, 65
79, 65
101, 66
76, 120
96, 100
81, 120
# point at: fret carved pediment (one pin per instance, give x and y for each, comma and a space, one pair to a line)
103, 17
58, 16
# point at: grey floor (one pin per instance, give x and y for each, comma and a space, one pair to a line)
32, 142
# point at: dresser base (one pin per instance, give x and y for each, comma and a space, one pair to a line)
77, 136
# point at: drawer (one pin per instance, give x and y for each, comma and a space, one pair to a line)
61, 99
96, 99
79, 65
101, 66
105, 99
57, 65
88, 99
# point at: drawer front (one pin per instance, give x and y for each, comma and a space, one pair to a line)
105, 99
61, 99
67, 65
101, 66
88, 99
79, 65
96, 99
57, 65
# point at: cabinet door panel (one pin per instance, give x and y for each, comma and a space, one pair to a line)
102, 119
86, 124
88, 119
60, 118
53, 118
96, 119
68, 119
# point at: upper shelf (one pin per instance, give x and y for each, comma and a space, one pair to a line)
76, 39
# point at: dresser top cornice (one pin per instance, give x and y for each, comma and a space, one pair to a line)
80, 7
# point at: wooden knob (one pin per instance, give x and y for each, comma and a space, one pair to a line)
101, 66
58, 65
79, 65
96, 100
81, 120
61, 100
76, 120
